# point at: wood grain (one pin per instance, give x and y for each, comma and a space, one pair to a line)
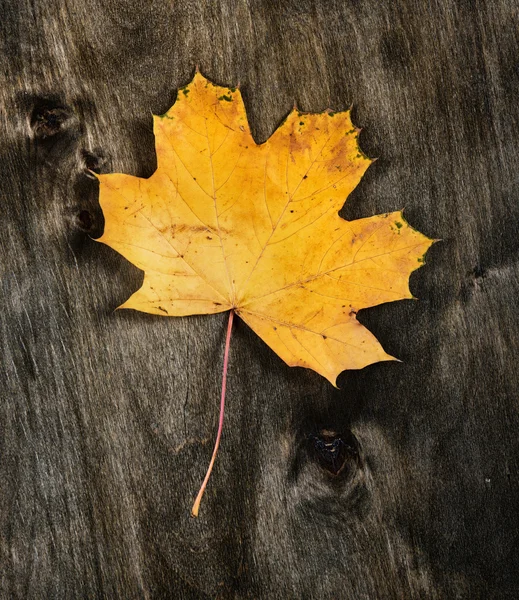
108, 418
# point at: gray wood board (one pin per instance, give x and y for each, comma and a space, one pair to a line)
108, 418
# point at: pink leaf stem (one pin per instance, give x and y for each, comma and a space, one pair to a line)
196, 505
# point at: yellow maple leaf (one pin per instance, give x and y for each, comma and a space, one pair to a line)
226, 223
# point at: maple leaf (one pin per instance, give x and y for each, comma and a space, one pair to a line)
226, 223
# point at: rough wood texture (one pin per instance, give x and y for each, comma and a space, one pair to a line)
108, 418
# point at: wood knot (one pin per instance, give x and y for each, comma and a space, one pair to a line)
48, 119
334, 451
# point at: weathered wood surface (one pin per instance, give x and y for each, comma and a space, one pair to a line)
108, 419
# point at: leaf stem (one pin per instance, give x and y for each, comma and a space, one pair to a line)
196, 505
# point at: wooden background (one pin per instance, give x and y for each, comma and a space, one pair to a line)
108, 419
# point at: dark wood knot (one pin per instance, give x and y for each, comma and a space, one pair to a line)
48, 119
334, 451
